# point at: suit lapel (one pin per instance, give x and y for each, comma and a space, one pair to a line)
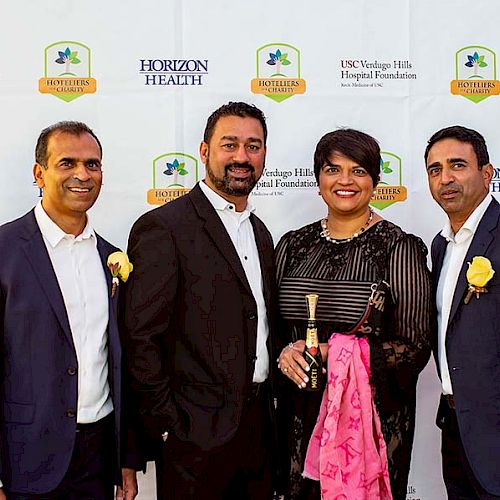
265, 258
217, 232
105, 249
38, 257
478, 247
114, 351
103, 254
438, 251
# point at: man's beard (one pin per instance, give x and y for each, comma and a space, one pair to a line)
230, 185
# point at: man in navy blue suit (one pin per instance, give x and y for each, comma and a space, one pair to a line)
60, 395
467, 341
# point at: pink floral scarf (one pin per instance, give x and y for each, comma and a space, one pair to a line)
347, 452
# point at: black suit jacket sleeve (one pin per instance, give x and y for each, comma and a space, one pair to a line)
133, 449
148, 301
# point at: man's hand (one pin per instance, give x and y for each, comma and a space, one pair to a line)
129, 491
2, 495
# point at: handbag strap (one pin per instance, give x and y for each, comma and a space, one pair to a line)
381, 273
374, 288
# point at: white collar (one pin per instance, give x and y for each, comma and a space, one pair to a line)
54, 234
470, 224
219, 203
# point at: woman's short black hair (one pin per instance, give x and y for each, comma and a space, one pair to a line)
358, 146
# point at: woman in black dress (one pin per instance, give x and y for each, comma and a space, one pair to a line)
340, 258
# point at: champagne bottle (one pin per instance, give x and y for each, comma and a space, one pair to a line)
312, 352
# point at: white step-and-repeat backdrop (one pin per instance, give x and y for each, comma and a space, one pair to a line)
146, 75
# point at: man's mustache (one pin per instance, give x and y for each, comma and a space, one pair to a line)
239, 165
75, 183
450, 187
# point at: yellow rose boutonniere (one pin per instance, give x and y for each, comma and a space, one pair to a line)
120, 268
479, 273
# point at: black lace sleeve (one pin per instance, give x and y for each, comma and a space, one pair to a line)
406, 342
281, 257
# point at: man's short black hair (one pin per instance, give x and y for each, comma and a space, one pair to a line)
462, 134
241, 109
68, 127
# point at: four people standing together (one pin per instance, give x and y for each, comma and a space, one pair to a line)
208, 310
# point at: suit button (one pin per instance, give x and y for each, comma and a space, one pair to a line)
252, 316
70, 413
71, 370
455, 368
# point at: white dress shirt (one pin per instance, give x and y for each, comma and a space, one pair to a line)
456, 250
82, 282
240, 231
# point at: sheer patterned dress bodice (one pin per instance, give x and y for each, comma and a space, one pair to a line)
398, 331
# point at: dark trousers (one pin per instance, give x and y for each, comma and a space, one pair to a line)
91, 472
241, 469
460, 482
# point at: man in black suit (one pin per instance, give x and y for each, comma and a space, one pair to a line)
61, 402
197, 312
467, 343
